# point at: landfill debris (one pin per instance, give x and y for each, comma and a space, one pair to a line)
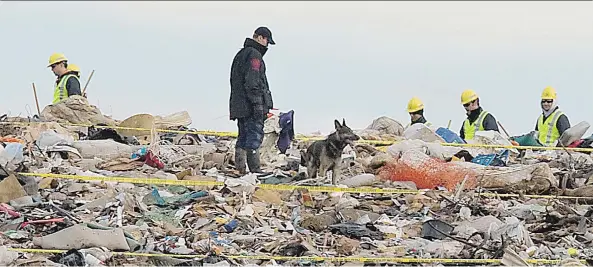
75, 110
186, 198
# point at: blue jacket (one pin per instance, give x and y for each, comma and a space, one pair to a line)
287, 133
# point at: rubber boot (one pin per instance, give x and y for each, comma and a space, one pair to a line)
253, 160
240, 158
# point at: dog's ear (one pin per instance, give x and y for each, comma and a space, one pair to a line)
343, 122
337, 124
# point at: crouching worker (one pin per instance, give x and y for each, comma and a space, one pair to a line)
67, 83
552, 123
416, 111
74, 69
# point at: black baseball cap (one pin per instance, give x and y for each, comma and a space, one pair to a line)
265, 32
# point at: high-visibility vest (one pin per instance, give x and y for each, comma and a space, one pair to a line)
427, 123
548, 132
469, 129
60, 92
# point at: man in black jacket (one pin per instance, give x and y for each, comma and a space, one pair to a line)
251, 99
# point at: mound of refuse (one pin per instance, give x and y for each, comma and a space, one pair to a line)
75, 110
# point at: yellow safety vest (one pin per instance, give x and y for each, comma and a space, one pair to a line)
469, 129
60, 92
548, 132
427, 123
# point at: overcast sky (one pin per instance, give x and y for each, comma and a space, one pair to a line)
352, 60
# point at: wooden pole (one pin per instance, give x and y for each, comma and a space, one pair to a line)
503, 129
36, 100
87, 82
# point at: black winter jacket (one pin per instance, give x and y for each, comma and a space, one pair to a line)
250, 94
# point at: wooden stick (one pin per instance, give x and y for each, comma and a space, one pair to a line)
36, 100
449, 125
503, 129
87, 82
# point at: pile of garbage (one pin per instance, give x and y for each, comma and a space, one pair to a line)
107, 195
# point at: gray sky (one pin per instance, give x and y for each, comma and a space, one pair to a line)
352, 60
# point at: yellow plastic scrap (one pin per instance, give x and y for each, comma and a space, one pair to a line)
454, 158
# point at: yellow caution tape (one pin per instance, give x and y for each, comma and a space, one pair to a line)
305, 258
327, 189
206, 132
303, 138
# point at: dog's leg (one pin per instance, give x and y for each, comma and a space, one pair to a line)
336, 171
324, 167
311, 170
323, 170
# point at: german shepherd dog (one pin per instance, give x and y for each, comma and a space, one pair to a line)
324, 155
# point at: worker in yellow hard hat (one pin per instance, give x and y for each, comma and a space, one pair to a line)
477, 118
74, 69
416, 111
67, 83
552, 123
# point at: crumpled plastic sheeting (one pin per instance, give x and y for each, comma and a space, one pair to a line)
272, 125
7, 257
515, 229
422, 132
32, 132
51, 138
490, 138
76, 110
499, 177
271, 133
434, 150
245, 184
80, 236
103, 149
580, 160
11, 156
574, 133
386, 125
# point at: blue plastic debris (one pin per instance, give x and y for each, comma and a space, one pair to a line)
449, 136
500, 159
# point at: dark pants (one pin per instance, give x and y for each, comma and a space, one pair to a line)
251, 133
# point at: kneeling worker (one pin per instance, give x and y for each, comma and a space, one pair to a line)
74, 69
416, 111
67, 83
552, 123
477, 118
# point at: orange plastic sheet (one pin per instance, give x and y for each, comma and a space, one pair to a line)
12, 140
429, 174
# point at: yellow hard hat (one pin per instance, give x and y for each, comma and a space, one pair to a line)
468, 96
415, 104
73, 67
549, 93
56, 58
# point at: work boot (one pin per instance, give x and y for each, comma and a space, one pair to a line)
253, 160
240, 155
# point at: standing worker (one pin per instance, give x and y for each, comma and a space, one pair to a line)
477, 118
416, 111
251, 99
67, 83
552, 123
